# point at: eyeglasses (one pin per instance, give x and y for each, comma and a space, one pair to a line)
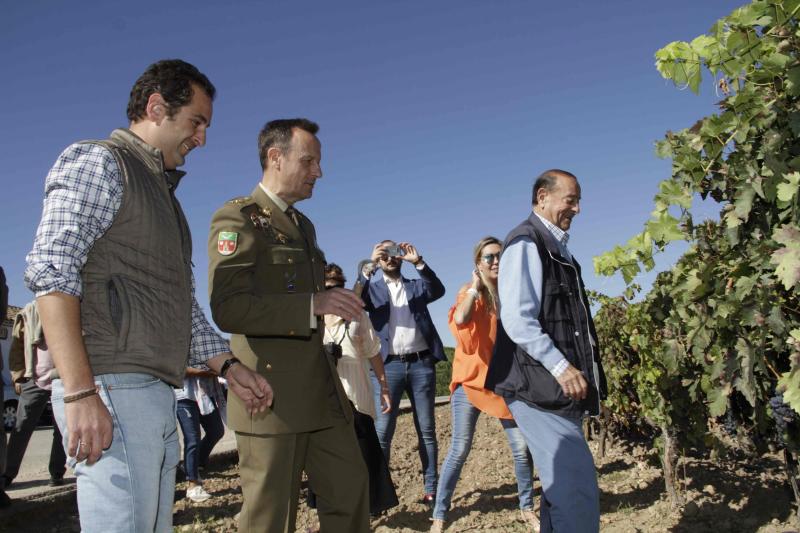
490, 258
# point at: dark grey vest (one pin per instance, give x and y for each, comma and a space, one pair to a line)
564, 315
136, 310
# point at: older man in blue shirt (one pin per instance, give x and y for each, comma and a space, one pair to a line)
546, 363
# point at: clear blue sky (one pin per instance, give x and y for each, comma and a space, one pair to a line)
435, 116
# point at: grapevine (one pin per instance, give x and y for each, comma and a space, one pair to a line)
721, 328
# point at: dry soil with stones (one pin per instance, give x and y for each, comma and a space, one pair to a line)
737, 495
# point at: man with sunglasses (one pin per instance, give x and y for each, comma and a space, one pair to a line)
410, 346
546, 361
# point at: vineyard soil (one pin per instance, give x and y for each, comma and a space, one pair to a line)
743, 495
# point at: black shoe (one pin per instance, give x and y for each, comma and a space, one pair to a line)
56, 481
5, 501
7, 481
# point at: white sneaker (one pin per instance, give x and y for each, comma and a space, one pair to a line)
197, 494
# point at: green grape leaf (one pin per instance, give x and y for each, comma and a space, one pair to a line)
663, 149
718, 400
673, 193
665, 228
787, 258
703, 44
793, 77
776, 321
744, 203
731, 220
746, 382
776, 61
744, 286
787, 190
789, 383
794, 122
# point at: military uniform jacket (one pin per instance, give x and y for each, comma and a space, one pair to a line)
263, 271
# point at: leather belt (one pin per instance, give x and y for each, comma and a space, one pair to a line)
412, 357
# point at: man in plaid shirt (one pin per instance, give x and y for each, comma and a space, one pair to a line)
111, 270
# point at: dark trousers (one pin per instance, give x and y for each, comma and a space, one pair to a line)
32, 402
382, 495
195, 450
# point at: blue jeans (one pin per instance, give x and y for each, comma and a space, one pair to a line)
132, 487
418, 380
571, 497
465, 416
195, 450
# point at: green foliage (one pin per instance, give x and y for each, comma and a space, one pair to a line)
444, 369
720, 331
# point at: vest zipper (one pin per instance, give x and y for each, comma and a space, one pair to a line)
595, 368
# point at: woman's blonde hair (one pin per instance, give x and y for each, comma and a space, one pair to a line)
488, 290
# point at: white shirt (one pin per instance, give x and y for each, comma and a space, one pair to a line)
404, 335
359, 343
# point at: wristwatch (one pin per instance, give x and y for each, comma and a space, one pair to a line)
226, 365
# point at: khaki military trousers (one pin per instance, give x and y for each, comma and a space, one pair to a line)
271, 467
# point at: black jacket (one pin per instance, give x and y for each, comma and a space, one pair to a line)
565, 316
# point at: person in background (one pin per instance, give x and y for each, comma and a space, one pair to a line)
473, 321
410, 346
360, 345
31, 371
5, 501
200, 404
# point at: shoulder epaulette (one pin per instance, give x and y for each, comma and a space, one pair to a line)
241, 201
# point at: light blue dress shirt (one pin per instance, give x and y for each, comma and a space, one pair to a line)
520, 292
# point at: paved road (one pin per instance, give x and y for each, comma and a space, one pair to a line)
32, 482
33, 479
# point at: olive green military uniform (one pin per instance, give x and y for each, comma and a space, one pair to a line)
263, 270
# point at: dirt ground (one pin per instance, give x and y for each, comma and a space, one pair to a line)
737, 495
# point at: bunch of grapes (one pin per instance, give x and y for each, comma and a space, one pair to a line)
783, 415
729, 423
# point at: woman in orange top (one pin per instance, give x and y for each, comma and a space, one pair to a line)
473, 321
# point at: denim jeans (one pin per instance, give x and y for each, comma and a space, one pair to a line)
571, 497
418, 380
195, 450
131, 487
464, 417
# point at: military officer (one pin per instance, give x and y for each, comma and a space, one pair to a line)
266, 287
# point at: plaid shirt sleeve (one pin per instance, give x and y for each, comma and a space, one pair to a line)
83, 192
206, 342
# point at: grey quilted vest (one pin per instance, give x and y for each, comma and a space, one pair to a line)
136, 309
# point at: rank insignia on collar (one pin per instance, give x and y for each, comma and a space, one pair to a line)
226, 242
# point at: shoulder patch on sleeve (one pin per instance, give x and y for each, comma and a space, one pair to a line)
227, 242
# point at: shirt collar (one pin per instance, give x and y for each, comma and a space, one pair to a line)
390, 281
560, 235
149, 154
282, 205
